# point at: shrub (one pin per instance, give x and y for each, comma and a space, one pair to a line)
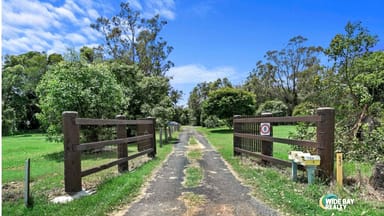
89, 89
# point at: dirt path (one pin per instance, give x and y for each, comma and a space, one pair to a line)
219, 193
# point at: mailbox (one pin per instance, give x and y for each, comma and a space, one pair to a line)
306, 159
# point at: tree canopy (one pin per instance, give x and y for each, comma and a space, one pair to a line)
227, 102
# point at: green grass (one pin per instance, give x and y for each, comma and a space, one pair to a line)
274, 186
112, 189
193, 176
195, 155
192, 141
193, 172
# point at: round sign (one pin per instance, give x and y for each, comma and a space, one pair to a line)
265, 129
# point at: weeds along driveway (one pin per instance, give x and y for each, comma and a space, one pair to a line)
219, 192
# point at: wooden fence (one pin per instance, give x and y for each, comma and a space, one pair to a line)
247, 138
145, 138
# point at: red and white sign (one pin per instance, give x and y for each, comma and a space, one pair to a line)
265, 129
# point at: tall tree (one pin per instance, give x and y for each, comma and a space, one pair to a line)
346, 50
281, 72
134, 39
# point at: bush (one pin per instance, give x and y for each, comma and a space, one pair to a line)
213, 122
89, 89
227, 102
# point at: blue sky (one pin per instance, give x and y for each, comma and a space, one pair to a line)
211, 39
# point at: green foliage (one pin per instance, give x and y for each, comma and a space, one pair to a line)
163, 112
9, 120
212, 121
199, 94
370, 147
129, 78
227, 102
20, 76
304, 109
356, 84
281, 76
89, 89
277, 108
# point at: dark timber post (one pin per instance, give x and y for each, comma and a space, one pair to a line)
161, 136
236, 140
152, 130
267, 146
325, 140
72, 160
165, 134
122, 151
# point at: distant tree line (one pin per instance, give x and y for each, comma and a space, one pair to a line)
292, 81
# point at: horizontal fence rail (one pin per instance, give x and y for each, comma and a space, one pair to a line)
104, 122
145, 139
288, 119
246, 134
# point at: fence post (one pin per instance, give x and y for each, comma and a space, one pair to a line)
165, 134
236, 140
72, 157
267, 146
122, 151
161, 136
325, 140
152, 130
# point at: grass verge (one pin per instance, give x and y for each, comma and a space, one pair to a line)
112, 189
274, 186
193, 172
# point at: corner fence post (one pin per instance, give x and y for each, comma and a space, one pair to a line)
72, 160
267, 146
325, 141
122, 151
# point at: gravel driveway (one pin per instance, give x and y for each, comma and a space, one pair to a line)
219, 193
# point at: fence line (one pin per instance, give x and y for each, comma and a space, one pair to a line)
247, 138
145, 139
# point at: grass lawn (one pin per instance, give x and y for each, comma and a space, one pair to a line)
47, 179
273, 185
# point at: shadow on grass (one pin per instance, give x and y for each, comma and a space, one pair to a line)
222, 131
171, 141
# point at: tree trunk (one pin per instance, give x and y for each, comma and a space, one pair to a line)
359, 122
377, 179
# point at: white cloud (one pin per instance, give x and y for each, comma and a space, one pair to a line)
76, 38
194, 74
52, 27
93, 14
135, 4
149, 8
66, 14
